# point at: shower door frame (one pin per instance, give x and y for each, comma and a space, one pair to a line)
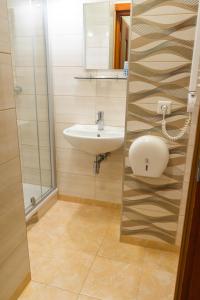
187, 285
50, 98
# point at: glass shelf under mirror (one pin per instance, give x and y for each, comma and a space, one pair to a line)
102, 77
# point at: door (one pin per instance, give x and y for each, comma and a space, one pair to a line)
188, 282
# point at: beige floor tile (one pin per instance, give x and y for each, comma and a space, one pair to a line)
113, 249
68, 272
83, 297
39, 242
64, 212
168, 261
121, 252
63, 245
113, 232
158, 276
37, 291
80, 227
57, 246
111, 280
63, 209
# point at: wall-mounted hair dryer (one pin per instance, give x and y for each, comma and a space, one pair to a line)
192, 94
164, 110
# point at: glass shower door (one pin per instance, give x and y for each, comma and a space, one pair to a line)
31, 94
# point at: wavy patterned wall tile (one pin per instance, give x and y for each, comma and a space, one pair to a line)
160, 64
163, 38
164, 7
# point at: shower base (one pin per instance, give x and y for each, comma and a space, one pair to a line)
33, 190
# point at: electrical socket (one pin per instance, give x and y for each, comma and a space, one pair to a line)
168, 104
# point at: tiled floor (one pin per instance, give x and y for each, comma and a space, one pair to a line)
75, 253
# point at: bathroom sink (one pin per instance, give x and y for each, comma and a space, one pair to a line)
89, 139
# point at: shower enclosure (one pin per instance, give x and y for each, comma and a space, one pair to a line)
33, 98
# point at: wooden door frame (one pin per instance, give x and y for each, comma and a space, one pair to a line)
188, 279
121, 9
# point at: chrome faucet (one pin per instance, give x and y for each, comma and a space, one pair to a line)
100, 120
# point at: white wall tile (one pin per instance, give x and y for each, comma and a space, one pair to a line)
46, 178
30, 157
31, 176
76, 185
74, 109
114, 110
43, 133
28, 51
67, 50
111, 88
62, 20
41, 80
66, 84
22, 51
75, 161
112, 168
31, 80
45, 159
20, 18
42, 108
28, 132
61, 141
76, 118
24, 78
108, 190
26, 108
39, 51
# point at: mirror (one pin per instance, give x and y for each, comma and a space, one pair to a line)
106, 34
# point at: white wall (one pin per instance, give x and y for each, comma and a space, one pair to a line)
78, 101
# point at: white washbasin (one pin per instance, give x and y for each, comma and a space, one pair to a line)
89, 139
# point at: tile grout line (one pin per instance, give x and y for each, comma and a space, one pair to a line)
54, 286
92, 263
104, 237
88, 272
96, 255
141, 274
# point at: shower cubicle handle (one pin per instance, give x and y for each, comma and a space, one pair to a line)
18, 90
